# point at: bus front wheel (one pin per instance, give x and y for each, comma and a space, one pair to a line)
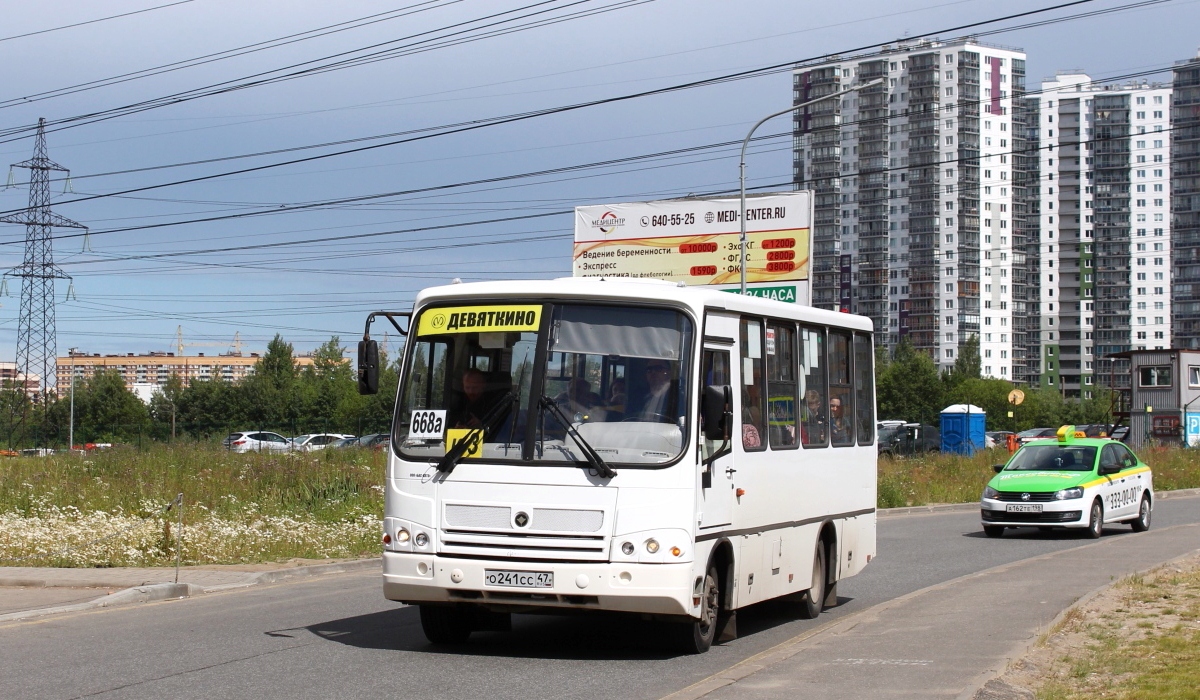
696, 636
813, 599
443, 624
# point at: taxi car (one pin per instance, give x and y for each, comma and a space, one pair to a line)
1071, 481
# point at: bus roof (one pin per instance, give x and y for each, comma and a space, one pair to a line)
603, 289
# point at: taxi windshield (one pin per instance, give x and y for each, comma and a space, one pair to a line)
1065, 458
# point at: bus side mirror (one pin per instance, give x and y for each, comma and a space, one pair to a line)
368, 367
716, 413
997, 468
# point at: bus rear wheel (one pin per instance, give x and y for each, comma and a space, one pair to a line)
813, 600
444, 624
696, 636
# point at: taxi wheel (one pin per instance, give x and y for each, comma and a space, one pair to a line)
813, 599
443, 624
993, 530
1142, 523
1096, 524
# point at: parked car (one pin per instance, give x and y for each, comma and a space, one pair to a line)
1094, 430
372, 441
997, 438
910, 439
257, 441
1035, 434
316, 441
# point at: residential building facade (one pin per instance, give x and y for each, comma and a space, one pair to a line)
921, 210
1104, 254
1185, 203
156, 368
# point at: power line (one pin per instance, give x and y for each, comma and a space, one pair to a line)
463, 127
492, 26
93, 21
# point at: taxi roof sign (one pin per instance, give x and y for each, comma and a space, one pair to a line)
1067, 433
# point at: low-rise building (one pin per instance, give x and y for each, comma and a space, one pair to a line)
156, 368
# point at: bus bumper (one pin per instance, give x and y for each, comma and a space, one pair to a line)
658, 589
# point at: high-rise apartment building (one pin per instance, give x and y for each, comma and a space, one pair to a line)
1185, 203
1104, 254
920, 184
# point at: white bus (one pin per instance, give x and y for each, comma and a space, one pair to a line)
586, 444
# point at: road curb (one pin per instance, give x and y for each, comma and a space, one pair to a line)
167, 591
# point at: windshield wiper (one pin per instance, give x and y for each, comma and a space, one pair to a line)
469, 442
593, 458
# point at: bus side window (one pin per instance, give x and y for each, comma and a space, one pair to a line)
841, 400
781, 386
864, 389
753, 418
814, 427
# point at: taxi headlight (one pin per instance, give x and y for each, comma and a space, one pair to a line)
1067, 494
989, 492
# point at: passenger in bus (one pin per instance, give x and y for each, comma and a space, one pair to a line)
813, 427
839, 425
657, 406
616, 396
579, 397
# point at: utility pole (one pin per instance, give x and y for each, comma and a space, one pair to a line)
71, 431
36, 342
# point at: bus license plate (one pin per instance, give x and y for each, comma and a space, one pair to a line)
1024, 508
519, 579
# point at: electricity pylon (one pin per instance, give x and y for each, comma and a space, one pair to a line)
36, 342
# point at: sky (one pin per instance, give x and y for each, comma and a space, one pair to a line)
256, 245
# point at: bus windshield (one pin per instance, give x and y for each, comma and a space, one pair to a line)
616, 374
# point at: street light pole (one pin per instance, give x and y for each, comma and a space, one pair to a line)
71, 430
742, 163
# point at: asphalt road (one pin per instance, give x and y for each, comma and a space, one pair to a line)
337, 637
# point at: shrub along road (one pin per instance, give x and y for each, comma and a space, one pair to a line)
336, 636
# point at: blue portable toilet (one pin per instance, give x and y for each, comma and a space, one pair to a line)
963, 428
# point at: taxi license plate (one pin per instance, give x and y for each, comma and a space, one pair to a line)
1024, 508
519, 579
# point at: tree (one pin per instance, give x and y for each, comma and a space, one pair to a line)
105, 410
908, 386
164, 404
967, 364
269, 395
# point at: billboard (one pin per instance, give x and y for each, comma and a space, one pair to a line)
697, 241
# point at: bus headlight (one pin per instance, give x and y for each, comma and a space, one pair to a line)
421, 539
402, 536
1068, 494
627, 549
652, 545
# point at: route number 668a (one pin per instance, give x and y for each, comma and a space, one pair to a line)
427, 425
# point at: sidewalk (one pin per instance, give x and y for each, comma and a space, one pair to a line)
945, 641
34, 591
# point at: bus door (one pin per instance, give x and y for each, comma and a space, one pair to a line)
717, 492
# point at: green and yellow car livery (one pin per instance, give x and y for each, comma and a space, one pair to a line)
1069, 482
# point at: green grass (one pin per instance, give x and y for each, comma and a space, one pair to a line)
946, 478
328, 485
1161, 662
265, 507
237, 508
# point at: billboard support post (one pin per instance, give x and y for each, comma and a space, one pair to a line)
742, 162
